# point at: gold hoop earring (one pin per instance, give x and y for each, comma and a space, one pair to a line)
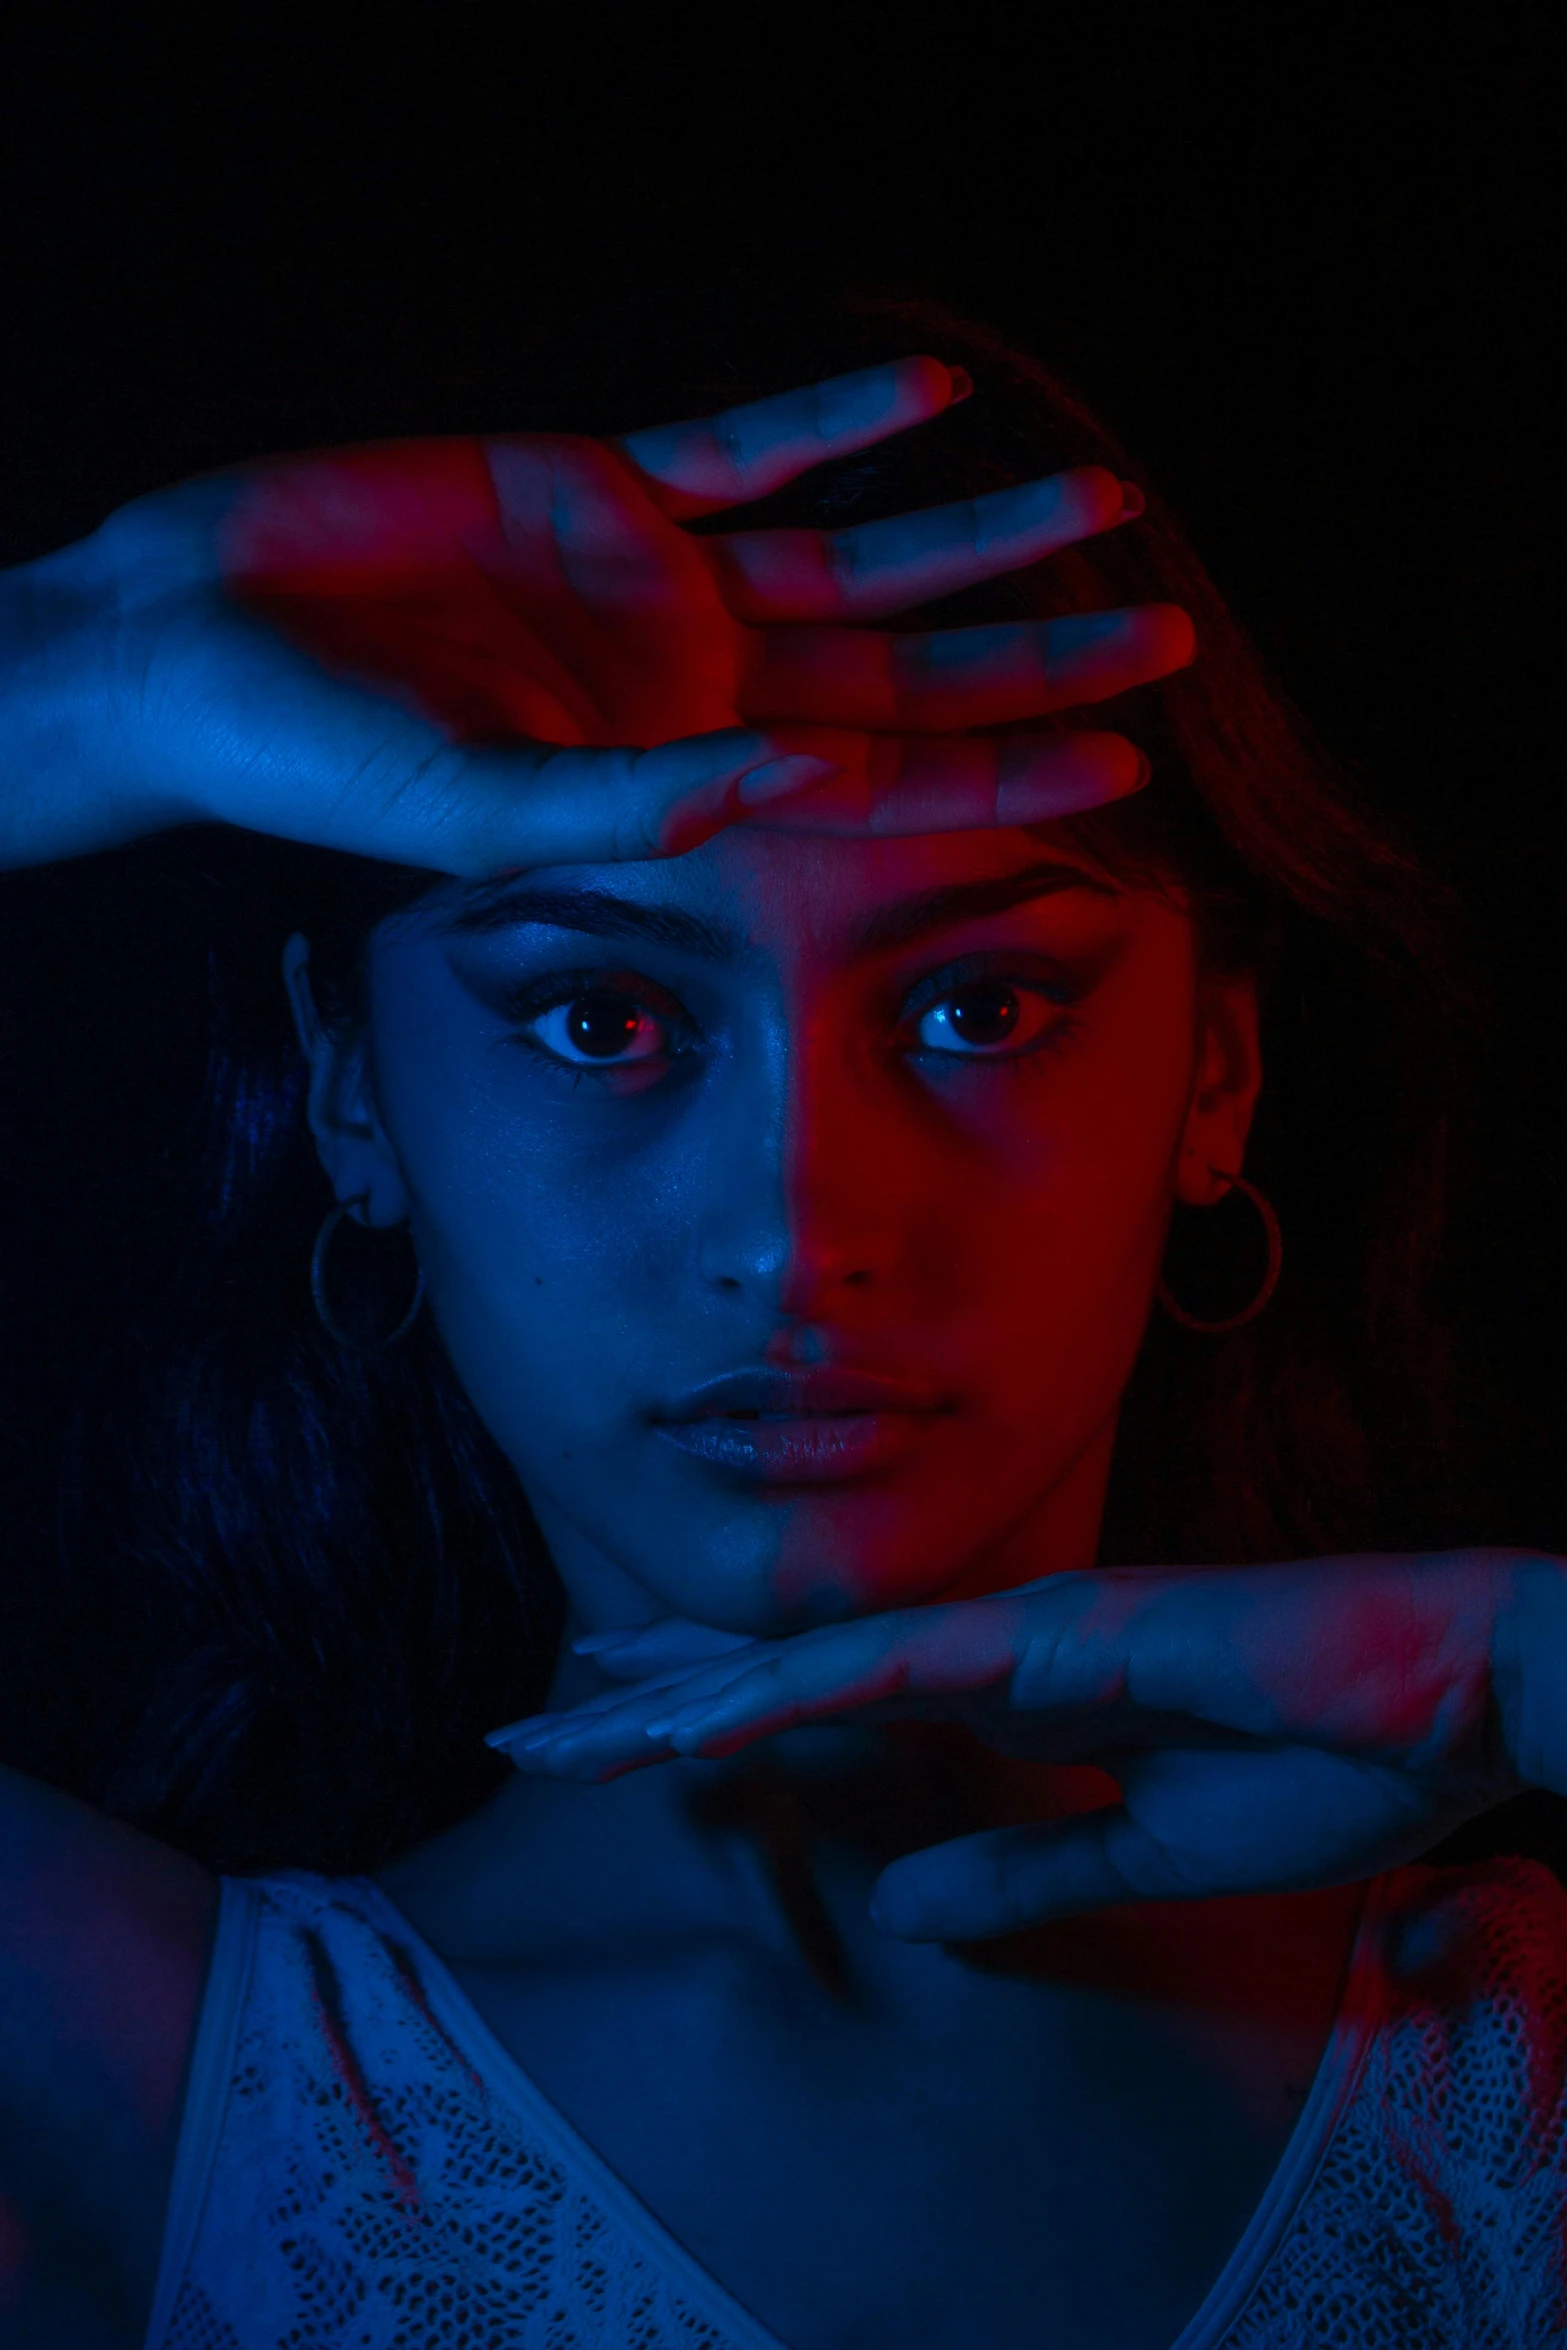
1270, 1279
324, 1313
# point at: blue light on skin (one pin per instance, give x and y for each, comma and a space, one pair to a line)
914, 1108
799, 1157
917, 1108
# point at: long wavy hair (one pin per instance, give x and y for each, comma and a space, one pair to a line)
306, 1581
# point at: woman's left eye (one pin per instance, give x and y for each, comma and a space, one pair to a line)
987, 1019
599, 1029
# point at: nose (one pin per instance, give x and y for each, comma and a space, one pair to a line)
744, 1243
796, 1214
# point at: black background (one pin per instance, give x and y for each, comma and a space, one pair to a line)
1299, 256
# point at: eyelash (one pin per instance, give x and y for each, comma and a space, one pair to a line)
1060, 990
536, 1000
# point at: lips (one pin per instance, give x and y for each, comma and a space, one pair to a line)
800, 1427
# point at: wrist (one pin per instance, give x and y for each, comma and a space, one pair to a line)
67, 786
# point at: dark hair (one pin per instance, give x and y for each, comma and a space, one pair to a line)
319, 1582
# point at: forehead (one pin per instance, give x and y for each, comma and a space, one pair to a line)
782, 894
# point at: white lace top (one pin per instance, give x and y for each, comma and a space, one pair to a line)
363, 2166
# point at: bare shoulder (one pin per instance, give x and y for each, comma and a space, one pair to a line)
104, 1935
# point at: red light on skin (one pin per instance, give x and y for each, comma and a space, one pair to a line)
382, 564
360, 521
443, 572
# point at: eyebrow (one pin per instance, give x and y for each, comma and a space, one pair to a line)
971, 901
601, 913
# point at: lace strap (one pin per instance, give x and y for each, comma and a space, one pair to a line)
206, 2091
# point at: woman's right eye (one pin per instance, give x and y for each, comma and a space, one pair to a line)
599, 1029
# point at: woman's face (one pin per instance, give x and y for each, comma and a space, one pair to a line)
791, 1209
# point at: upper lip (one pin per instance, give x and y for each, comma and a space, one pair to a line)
803, 1393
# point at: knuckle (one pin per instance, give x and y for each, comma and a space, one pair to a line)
1140, 1863
578, 463
730, 448
391, 784
640, 814
597, 461
154, 546
537, 471
832, 406
1006, 1894
843, 556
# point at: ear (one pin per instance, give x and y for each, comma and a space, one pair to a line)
1224, 1092
359, 1160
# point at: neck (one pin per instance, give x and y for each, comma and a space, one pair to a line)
775, 1849
781, 1842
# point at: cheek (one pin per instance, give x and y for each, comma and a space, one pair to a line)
539, 1258
1014, 1225
1055, 1224
1122, 1128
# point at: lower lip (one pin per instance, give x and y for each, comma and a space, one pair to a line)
827, 1449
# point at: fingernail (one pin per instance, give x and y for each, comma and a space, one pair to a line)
1144, 773
676, 1725
521, 1738
962, 385
1133, 502
779, 777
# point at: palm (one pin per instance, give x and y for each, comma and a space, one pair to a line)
552, 600
629, 611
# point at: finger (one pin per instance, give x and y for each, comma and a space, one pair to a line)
674, 1644
883, 785
1011, 1878
946, 679
891, 1665
874, 568
613, 1719
628, 1728
599, 1734
746, 451
610, 1708
609, 1731
880, 1660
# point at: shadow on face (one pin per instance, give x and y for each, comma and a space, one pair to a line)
792, 1209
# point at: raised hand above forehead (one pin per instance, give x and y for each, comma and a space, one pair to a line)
580, 613
627, 687
557, 525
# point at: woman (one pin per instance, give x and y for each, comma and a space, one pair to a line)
787, 1114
